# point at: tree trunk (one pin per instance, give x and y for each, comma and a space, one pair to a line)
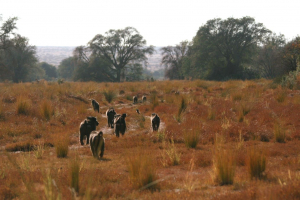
118, 74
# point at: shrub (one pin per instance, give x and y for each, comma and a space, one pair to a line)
256, 163
23, 106
191, 138
142, 170
62, 145
109, 95
224, 167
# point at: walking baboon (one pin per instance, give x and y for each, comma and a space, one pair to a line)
86, 127
97, 143
119, 124
144, 98
95, 105
135, 99
138, 111
110, 113
155, 121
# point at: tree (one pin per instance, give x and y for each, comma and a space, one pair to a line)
134, 72
66, 68
18, 58
173, 59
269, 59
6, 31
291, 55
50, 70
120, 48
222, 48
89, 67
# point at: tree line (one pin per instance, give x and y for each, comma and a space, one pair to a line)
221, 50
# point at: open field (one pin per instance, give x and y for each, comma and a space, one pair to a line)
217, 140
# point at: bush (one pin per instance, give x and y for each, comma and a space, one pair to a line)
47, 110
256, 163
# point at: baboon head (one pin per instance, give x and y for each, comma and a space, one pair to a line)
92, 121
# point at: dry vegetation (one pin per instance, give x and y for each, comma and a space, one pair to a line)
217, 140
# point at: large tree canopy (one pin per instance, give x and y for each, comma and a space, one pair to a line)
120, 48
50, 70
222, 48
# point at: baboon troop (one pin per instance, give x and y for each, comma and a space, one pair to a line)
155, 121
110, 113
135, 99
86, 127
144, 98
95, 105
97, 143
95, 138
119, 124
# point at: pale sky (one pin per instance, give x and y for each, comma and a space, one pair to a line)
160, 22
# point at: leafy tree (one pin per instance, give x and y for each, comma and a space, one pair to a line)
6, 31
120, 48
291, 55
50, 70
173, 59
18, 58
222, 48
66, 68
89, 67
134, 72
269, 59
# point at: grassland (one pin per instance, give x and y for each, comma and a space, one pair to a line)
217, 140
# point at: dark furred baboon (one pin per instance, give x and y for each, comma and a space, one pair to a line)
86, 127
110, 113
144, 98
155, 121
97, 143
119, 124
135, 99
95, 105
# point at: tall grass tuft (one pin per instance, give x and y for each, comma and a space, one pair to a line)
181, 109
279, 133
23, 106
224, 164
39, 150
47, 111
256, 163
142, 170
62, 145
191, 138
1, 112
74, 173
171, 152
154, 100
281, 96
51, 190
109, 95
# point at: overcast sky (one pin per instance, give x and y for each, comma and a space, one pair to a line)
160, 22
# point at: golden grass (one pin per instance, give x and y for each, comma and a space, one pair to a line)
46, 109
279, 133
191, 138
61, 143
256, 163
142, 170
23, 106
195, 171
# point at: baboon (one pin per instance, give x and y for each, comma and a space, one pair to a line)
144, 98
86, 127
110, 113
119, 124
97, 143
135, 99
155, 121
138, 111
95, 105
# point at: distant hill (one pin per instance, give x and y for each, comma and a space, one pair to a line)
55, 54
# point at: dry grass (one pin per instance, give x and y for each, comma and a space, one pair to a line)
256, 163
109, 95
46, 109
30, 142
